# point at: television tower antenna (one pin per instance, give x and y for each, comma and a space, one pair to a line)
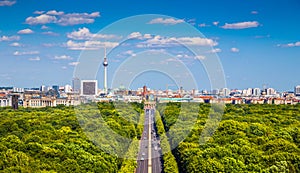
105, 64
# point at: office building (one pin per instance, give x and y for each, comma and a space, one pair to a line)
256, 92
297, 90
89, 87
76, 85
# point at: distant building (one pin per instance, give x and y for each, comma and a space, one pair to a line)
35, 99
56, 89
249, 92
215, 92
15, 101
18, 90
270, 91
68, 88
256, 92
89, 87
4, 100
43, 88
225, 92
76, 85
297, 90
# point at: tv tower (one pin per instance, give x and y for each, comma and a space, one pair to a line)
105, 64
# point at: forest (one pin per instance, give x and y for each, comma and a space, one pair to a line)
56, 139
249, 138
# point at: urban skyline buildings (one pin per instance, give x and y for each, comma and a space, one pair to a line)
35, 50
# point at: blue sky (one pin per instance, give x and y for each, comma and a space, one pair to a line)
257, 42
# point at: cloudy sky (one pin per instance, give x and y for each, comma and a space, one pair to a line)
257, 42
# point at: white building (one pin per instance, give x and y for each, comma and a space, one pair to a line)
68, 88
297, 90
18, 90
270, 91
5, 101
256, 92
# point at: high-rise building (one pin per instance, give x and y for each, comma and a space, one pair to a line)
256, 92
249, 92
76, 85
297, 90
89, 87
56, 89
43, 88
105, 64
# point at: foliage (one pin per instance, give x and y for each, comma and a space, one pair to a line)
169, 162
250, 138
52, 140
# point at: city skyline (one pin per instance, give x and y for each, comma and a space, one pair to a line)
257, 42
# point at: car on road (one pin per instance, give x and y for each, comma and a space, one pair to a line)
142, 159
143, 154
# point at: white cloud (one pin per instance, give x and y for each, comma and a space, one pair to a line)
241, 25
49, 44
159, 41
191, 21
77, 18
136, 35
9, 38
216, 50
234, 49
129, 52
15, 44
35, 59
25, 31
89, 45
147, 36
44, 27
63, 57
202, 25
64, 67
7, 2
296, 44
60, 18
85, 34
38, 12
17, 53
182, 56
196, 41
254, 12
50, 33
41, 19
73, 63
216, 23
200, 57
167, 21
55, 13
